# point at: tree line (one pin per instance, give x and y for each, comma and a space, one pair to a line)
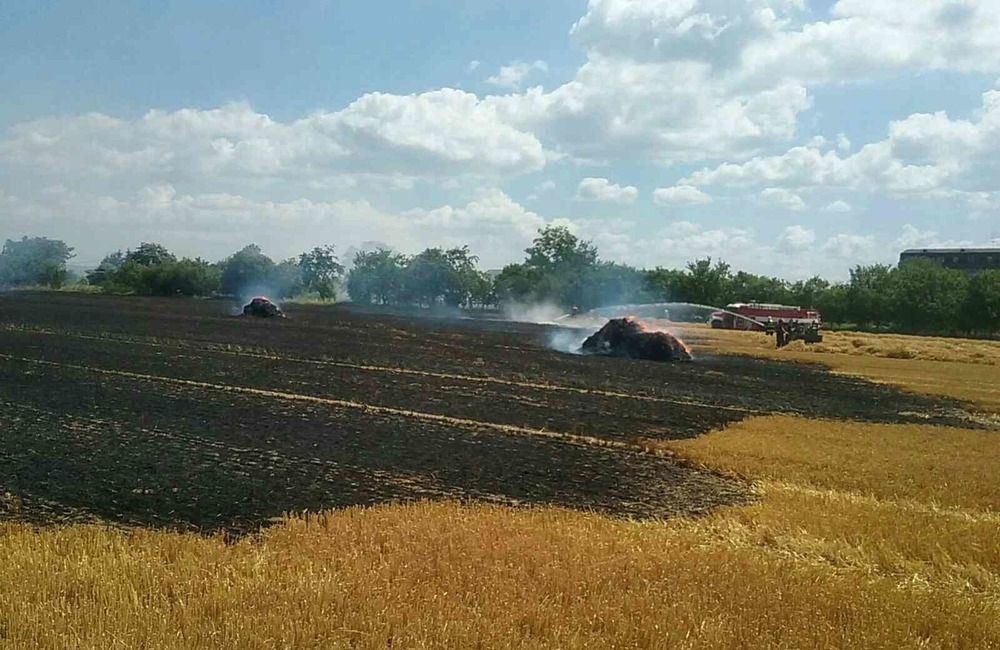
918, 296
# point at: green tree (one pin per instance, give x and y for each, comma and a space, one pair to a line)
482, 293
286, 278
519, 283
245, 271
609, 283
376, 277
184, 277
563, 263
557, 249
148, 254
748, 287
464, 277
833, 303
982, 302
663, 284
321, 271
926, 297
34, 261
429, 279
868, 295
706, 283
102, 274
808, 293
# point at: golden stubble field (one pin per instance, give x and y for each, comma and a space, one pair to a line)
862, 536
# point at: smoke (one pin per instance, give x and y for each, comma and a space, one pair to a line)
248, 293
567, 340
540, 312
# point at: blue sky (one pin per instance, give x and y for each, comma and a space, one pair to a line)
787, 137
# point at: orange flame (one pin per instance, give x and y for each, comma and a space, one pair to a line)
645, 327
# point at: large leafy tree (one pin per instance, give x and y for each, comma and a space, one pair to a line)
376, 277
706, 283
981, 311
926, 297
868, 299
562, 264
184, 277
246, 270
148, 254
321, 271
106, 269
518, 283
37, 260
428, 277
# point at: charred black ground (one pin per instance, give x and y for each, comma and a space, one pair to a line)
170, 413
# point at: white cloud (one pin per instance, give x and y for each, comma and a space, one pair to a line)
837, 206
680, 195
664, 112
782, 198
854, 249
513, 75
214, 225
922, 155
601, 189
796, 239
437, 133
472, 65
711, 31
865, 40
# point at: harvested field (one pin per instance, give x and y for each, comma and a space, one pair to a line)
172, 413
874, 527
964, 369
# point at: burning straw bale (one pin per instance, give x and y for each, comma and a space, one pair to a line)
630, 338
261, 307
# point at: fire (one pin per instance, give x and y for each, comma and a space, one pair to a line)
646, 327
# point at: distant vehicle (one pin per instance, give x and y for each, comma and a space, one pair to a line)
764, 317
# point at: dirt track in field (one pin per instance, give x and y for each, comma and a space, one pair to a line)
173, 413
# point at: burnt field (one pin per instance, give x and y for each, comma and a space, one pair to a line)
174, 413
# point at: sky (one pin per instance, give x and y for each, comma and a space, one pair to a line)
786, 137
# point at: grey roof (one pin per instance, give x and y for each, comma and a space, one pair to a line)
948, 251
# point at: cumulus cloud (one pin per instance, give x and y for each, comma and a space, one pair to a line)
922, 154
214, 224
865, 39
601, 189
513, 75
680, 195
712, 31
665, 112
436, 133
837, 206
472, 65
796, 239
850, 248
782, 198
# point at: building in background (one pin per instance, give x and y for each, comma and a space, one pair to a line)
970, 260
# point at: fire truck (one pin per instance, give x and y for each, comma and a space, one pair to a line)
764, 317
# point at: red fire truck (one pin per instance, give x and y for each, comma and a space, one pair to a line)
763, 317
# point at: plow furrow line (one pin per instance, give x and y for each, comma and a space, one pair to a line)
269, 356
373, 409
